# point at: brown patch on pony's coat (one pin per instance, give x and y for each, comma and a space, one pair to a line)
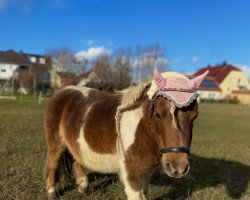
100, 129
66, 113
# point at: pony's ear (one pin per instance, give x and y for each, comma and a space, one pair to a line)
195, 82
160, 81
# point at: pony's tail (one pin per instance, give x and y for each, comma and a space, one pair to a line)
65, 166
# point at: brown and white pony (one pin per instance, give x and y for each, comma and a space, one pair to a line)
117, 133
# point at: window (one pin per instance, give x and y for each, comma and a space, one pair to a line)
211, 96
239, 81
208, 83
42, 60
33, 59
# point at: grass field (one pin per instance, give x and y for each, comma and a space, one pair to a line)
220, 158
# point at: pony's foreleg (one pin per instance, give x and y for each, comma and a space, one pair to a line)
145, 186
133, 186
80, 176
53, 157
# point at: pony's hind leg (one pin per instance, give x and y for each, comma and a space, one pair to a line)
80, 176
55, 152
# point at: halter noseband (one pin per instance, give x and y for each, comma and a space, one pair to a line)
175, 150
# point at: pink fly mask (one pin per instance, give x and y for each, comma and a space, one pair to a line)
176, 87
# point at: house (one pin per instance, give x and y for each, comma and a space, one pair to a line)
243, 96
94, 79
229, 78
209, 90
10, 61
29, 71
61, 79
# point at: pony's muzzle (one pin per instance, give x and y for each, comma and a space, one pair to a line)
176, 170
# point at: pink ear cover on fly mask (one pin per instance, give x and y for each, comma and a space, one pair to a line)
179, 90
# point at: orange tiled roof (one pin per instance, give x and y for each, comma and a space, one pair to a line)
218, 72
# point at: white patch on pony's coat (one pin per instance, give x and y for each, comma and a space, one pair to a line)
131, 194
84, 90
174, 121
129, 122
128, 125
103, 163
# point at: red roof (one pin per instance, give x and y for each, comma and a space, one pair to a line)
218, 72
209, 89
206, 87
241, 92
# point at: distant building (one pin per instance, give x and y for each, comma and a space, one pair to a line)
229, 78
209, 89
29, 71
243, 96
93, 79
10, 61
61, 79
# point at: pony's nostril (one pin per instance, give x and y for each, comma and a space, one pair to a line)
186, 169
170, 167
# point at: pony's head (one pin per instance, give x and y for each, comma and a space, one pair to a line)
172, 109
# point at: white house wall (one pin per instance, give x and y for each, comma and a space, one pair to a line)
215, 95
7, 70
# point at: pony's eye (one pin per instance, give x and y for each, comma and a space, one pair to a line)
158, 115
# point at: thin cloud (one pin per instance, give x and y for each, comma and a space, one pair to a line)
245, 69
56, 3
92, 53
2, 4
195, 59
90, 42
160, 61
23, 5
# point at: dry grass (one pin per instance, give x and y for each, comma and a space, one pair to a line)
220, 160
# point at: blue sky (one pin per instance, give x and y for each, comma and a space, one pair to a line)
194, 33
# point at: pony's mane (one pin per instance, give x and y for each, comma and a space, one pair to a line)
131, 98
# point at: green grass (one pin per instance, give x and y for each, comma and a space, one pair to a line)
220, 159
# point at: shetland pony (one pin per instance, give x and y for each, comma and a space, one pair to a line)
128, 133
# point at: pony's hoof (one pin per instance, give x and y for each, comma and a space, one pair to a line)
51, 193
82, 189
52, 196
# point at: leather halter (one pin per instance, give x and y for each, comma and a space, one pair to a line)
175, 150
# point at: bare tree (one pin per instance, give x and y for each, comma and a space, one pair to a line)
145, 58
102, 66
121, 66
64, 60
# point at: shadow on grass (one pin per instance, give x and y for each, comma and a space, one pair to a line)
98, 182
207, 172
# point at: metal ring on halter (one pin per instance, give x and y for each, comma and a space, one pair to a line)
175, 150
